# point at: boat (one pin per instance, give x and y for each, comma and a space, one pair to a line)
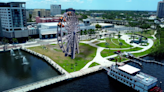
133, 77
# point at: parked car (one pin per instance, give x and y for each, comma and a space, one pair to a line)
117, 52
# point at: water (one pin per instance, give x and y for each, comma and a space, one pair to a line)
25, 61
101, 82
20, 52
14, 74
12, 53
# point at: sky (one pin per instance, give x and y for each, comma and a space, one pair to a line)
150, 5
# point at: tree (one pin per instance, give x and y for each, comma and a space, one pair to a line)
119, 35
98, 26
29, 37
120, 44
14, 40
114, 34
100, 36
81, 32
107, 45
5, 41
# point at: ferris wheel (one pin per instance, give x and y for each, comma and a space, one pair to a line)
67, 34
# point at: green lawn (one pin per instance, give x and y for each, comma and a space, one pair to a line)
87, 53
112, 45
146, 33
94, 64
95, 42
101, 39
147, 51
106, 52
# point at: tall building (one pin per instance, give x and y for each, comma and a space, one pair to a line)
40, 13
55, 9
27, 15
13, 19
1, 35
160, 9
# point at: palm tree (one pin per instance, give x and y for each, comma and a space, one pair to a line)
107, 45
120, 44
109, 36
5, 41
114, 34
14, 40
100, 36
133, 37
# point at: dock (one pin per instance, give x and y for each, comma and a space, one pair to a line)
136, 62
149, 61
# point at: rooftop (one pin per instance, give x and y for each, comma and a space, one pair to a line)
129, 69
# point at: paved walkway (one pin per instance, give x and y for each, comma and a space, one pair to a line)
103, 61
154, 34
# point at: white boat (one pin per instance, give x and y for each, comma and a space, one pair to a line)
133, 77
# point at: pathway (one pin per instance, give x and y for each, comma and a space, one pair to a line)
99, 59
154, 34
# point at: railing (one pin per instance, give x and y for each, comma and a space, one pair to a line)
150, 61
62, 77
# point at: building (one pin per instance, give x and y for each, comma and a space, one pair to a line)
47, 19
160, 9
0, 29
40, 13
13, 19
70, 9
104, 25
27, 15
96, 14
55, 9
49, 30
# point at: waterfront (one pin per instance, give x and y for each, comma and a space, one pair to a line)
100, 81
14, 74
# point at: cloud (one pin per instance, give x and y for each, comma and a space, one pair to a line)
129, 1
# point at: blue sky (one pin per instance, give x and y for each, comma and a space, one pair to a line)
93, 4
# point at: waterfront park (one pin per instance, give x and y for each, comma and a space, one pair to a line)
35, 66
94, 53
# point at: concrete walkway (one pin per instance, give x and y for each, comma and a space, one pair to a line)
154, 34
99, 59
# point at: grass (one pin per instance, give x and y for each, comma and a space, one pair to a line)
53, 44
147, 51
94, 64
95, 42
146, 33
106, 52
87, 53
101, 39
112, 45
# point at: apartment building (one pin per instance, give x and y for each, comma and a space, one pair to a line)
13, 19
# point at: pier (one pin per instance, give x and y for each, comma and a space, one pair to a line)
149, 61
136, 62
